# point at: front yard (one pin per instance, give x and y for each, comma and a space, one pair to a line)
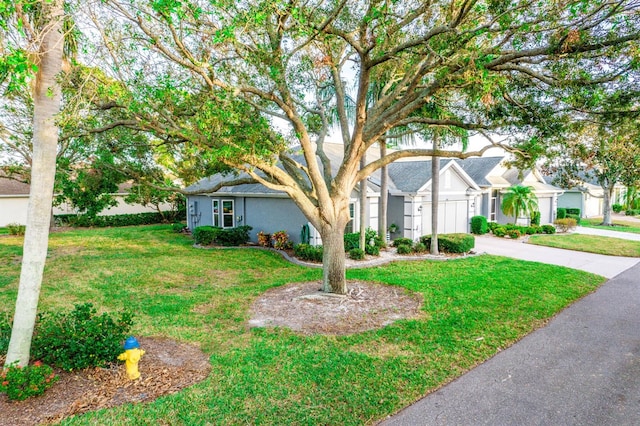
473, 308
620, 225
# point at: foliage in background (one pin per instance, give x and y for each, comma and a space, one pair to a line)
308, 252
16, 229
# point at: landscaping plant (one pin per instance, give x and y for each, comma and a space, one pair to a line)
20, 383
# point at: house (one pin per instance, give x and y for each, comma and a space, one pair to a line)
14, 198
588, 196
493, 177
469, 187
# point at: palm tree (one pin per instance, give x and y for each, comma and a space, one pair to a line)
519, 199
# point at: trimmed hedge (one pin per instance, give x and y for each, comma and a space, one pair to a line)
548, 229
207, 235
404, 249
451, 243
402, 242
574, 217
561, 213
84, 221
575, 212
617, 208
479, 225
356, 254
308, 252
632, 212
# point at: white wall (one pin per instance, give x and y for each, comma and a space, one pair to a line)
13, 209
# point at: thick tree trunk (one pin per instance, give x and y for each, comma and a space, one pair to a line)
333, 260
384, 194
45, 139
435, 198
606, 205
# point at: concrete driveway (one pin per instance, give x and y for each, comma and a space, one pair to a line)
607, 266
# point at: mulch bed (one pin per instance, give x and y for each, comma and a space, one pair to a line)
166, 367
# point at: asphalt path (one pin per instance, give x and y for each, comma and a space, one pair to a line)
583, 368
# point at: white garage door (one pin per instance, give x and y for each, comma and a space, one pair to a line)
452, 217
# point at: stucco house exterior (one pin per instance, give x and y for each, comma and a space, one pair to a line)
588, 196
469, 187
14, 198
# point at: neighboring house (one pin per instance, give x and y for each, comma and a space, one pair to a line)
493, 177
14, 198
588, 196
468, 187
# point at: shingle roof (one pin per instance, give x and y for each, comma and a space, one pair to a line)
13, 187
479, 168
410, 176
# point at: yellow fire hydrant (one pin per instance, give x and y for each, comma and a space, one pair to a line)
131, 356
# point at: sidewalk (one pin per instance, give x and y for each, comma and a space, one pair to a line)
583, 368
607, 266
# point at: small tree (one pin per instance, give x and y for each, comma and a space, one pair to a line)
518, 200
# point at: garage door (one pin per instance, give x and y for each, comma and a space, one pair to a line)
452, 217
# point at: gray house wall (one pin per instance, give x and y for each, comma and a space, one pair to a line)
272, 215
199, 211
395, 214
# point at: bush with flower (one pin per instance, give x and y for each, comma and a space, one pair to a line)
20, 383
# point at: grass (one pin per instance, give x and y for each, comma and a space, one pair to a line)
618, 225
4, 231
589, 243
474, 307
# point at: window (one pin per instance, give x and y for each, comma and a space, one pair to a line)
216, 213
352, 210
227, 213
493, 205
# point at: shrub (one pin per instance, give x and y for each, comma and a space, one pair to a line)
566, 224
356, 254
533, 229
617, 208
178, 227
402, 242
80, 338
16, 229
561, 213
372, 250
451, 243
20, 383
117, 220
419, 247
352, 240
281, 240
514, 234
308, 252
479, 225
264, 239
574, 216
575, 212
632, 212
548, 229
500, 231
205, 235
535, 218
492, 225
5, 333
404, 248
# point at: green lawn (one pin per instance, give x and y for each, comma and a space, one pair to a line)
474, 307
618, 225
3, 231
589, 243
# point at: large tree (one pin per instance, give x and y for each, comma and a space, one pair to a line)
605, 151
34, 29
241, 82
